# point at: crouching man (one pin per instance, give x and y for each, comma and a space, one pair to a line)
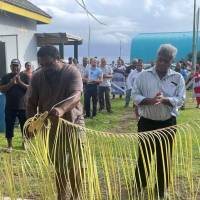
56, 82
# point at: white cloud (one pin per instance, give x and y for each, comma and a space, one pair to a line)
124, 18
111, 2
148, 4
76, 22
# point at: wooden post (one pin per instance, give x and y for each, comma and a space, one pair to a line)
76, 51
61, 50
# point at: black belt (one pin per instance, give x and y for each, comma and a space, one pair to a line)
92, 84
172, 118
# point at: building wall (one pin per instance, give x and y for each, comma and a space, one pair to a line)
18, 34
145, 45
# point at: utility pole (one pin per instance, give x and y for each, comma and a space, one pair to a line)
194, 49
120, 49
197, 34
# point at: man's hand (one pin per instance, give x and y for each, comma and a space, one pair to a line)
94, 81
165, 100
13, 81
162, 99
56, 112
153, 101
18, 80
157, 99
107, 75
91, 81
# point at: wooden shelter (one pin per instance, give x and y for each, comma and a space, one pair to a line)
60, 39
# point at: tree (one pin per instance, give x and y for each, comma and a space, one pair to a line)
189, 57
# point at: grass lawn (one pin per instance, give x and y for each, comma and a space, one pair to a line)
122, 120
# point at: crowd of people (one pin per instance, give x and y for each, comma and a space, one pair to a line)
100, 80
57, 87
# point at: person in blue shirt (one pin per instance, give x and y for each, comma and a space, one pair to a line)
180, 68
184, 71
93, 76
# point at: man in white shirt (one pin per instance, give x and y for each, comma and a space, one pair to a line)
104, 87
158, 93
82, 69
130, 80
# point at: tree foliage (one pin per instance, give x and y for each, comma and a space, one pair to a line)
189, 57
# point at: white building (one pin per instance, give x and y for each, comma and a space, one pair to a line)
18, 25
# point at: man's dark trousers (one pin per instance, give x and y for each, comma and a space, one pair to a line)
10, 117
162, 143
104, 98
91, 92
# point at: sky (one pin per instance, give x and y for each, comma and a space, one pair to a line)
123, 18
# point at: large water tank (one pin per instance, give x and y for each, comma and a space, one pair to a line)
145, 45
2, 109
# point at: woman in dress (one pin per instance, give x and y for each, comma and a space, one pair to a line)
118, 80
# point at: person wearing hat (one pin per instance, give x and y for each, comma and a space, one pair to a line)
14, 86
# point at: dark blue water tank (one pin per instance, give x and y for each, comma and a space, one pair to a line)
145, 45
2, 109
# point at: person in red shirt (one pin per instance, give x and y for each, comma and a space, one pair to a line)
196, 77
28, 70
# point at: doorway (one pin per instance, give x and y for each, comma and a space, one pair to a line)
2, 58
